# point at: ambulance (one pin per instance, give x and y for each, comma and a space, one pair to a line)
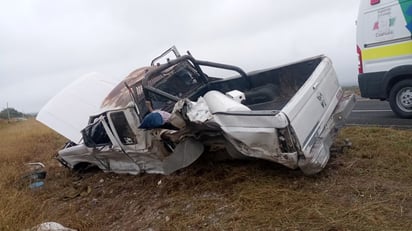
384, 47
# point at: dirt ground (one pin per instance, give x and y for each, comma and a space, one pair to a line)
366, 187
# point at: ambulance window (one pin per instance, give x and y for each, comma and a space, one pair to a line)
123, 129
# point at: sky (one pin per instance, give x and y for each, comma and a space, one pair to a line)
46, 44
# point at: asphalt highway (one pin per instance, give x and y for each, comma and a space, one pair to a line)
375, 113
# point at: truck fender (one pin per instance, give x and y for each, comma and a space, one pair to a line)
395, 75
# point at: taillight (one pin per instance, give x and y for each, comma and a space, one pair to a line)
374, 2
360, 64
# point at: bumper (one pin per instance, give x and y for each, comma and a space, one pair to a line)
319, 153
371, 85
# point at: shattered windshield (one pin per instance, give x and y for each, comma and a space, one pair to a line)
181, 82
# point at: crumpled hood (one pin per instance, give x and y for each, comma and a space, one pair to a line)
68, 112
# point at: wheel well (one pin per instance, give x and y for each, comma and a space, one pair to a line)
395, 80
83, 166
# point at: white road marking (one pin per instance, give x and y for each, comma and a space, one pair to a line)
371, 111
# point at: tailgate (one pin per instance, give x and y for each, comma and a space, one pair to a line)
311, 107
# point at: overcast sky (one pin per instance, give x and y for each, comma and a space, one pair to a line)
47, 44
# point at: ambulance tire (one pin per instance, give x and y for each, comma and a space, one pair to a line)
400, 98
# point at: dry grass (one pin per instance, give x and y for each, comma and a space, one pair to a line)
367, 187
22, 142
352, 90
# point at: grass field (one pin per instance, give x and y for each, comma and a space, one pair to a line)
366, 187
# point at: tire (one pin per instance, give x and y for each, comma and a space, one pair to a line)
400, 98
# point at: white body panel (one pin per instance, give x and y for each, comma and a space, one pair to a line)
382, 34
68, 112
311, 107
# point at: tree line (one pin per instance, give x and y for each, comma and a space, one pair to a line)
4, 114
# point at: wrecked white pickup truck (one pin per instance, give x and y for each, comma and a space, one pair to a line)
288, 115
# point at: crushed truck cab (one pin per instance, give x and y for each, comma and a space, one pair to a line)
288, 115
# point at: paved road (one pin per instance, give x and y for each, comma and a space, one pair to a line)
376, 112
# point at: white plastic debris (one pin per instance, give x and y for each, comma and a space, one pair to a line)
198, 111
35, 174
236, 95
50, 226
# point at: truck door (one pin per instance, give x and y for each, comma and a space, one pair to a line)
124, 124
111, 152
133, 142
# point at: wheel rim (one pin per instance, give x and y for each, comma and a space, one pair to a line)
404, 99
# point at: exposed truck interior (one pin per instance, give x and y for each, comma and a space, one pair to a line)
184, 78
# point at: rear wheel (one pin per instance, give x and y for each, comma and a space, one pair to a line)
400, 98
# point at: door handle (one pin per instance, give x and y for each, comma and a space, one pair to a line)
315, 85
